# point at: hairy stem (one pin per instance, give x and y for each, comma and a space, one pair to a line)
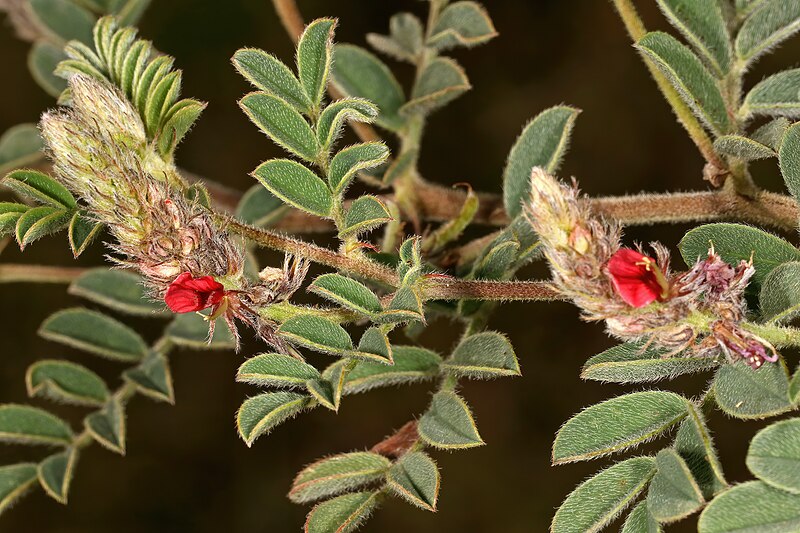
636, 29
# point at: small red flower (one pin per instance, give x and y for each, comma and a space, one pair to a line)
187, 293
637, 278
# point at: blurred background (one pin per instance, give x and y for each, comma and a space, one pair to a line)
186, 468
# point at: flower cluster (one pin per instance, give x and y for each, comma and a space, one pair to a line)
638, 296
100, 152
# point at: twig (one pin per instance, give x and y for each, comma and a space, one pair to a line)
39, 274
459, 289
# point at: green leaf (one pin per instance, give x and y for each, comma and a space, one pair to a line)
448, 423
771, 23
703, 25
599, 499
641, 521
352, 160
82, 231
259, 207
691, 79
120, 290
483, 355
401, 166
153, 378
314, 55
107, 426
347, 292
282, 123
617, 424
753, 507
636, 362
41, 187
337, 474
774, 455
745, 393
794, 387
359, 73
737, 242
789, 159
462, 24
673, 493
55, 474
160, 97
296, 185
404, 41
342, 514
31, 425
10, 213
191, 331
374, 344
780, 294
406, 306
775, 96
415, 478
276, 370
743, 148
269, 74
542, 143
95, 333
20, 145
331, 120
43, 59
365, 213
772, 133
63, 19
694, 444
411, 364
260, 414
15, 481
38, 222
176, 123
442, 81
325, 393
65, 381
317, 333
497, 262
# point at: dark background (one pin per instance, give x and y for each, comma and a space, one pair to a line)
186, 469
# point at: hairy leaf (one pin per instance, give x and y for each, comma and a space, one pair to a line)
271, 75
38, 222
63, 19
405, 38
119, 290
352, 160
153, 378
374, 344
282, 123
43, 60
411, 364
81, 232
276, 370
31, 425
442, 81
107, 426
542, 143
20, 145
191, 331
483, 355
617, 424
15, 481
55, 474
599, 499
95, 333
635, 362
10, 213
462, 24
332, 119
415, 478
260, 414
641, 521
673, 494
337, 474
259, 207
66, 381
703, 24
780, 293
365, 213
448, 423
342, 514
789, 159
296, 185
771, 23
774, 455
694, 444
753, 507
745, 393
314, 55
347, 292
743, 148
776, 95
40, 187
317, 333
690, 78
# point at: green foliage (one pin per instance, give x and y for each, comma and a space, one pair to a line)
119, 290
691, 79
259, 207
442, 81
15, 480
743, 148
152, 378
332, 119
95, 333
635, 362
337, 474
365, 213
405, 39
284, 125
190, 330
63, 19
703, 24
342, 514
775, 96
542, 143
694, 444
641, 521
752, 506
107, 426
743, 393
317, 333
31, 425
55, 474
40, 221
348, 293
448, 423
771, 23
269, 74
789, 159
737, 242
618, 424
67, 382
10, 214
601, 498
20, 145
359, 73
411, 364
483, 355
353, 159
43, 59
415, 478
260, 414
276, 370
40, 187
774, 455
296, 185
81, 232
462, 24
780, 293
673, 494
314, 54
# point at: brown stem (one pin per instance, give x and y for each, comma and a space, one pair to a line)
38, 274
400, 442
460, 289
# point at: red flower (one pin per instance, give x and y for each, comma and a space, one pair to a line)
187, 293
637, 278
